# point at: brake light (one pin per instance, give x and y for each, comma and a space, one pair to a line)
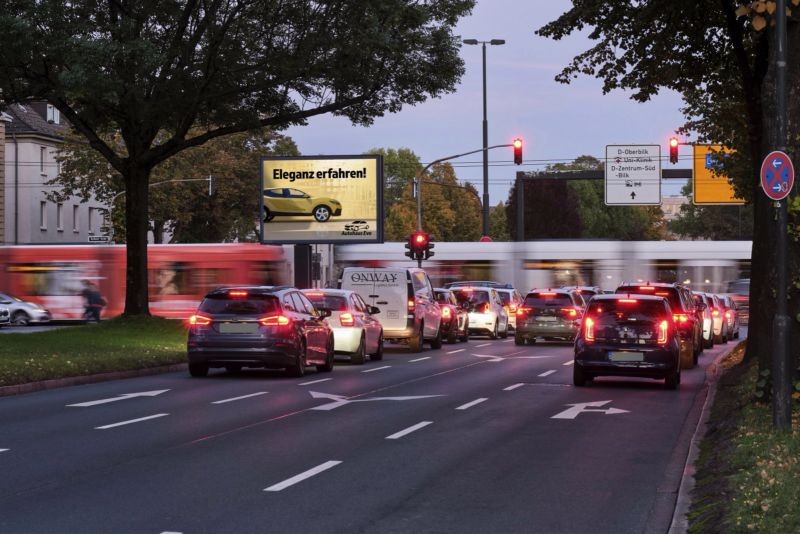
662, 293
663, 328
522, 311
547, 294
347, 319
571, 312
588, 329
680, 318
512, 308
446, 313
236, 293
715, 312
199, 320
727, 315
647, 288
274, 320
314, 294
411, 304
628, 301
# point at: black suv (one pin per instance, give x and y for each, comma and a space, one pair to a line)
259, 326
685, 315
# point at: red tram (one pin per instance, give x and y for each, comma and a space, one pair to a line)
178, 275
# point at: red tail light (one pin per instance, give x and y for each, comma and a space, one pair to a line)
512, 308
680, 318
663, 328
411, 304
548, 294
347, 319
446, 313
275, 320
237, 293
522, 311
572, 313
647, 288
715, 312
199, 320
588, 329
727, 315
627, 301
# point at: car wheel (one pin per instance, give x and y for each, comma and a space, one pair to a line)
268, 216
465, 335
493, 335
198, 370
724, 339
687, 359
327, 367
452, 336
415, 343
298, 369
578, 376
672, 381
504, 334
707, 343
736, 335
519, 340
322, 213
436, 343
379, 353
20, 318
357, 358
234, 368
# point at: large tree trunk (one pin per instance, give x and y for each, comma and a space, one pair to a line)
137, 225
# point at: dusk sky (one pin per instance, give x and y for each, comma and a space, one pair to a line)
557, 122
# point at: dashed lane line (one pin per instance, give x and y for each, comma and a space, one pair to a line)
303, 476
454, 351
482, 345
547, 373
4, 450
471, 404
376, 369
223, 401
513, 387
569, 362
131, 421
409, 430
419, 359
315, 381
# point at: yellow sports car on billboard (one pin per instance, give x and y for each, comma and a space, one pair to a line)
285, 201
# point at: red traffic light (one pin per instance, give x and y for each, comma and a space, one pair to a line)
420, 239
517, 144
673, 149
673, 142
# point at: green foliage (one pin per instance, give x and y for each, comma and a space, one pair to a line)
718, 223
498, 223
399, 168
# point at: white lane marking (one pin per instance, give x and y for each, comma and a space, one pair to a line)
131, 421
547, 373
507, 340
454, 351
341, 400
223, 401
490, 357
583, 407
471, 404
482, 345
302, 476
513, 387
315, 381
409, 430
376, 369
419, 359
119, 398
4, 450
171, 532
569, 362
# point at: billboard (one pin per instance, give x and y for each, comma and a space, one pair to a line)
708, 186
321, 199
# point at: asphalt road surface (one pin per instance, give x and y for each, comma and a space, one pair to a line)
482, 436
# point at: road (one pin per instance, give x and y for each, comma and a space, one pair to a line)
482, 436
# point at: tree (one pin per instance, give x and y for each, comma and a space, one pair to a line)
713, 222
399, 168
551, 210
170, 75
717, 54
498, 223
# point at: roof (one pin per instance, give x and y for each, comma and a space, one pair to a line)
637, 296
26, 121
327, 291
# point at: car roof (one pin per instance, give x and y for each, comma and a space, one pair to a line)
328, 291
653, 284
482, 283
471, 287
551, 290
257, 290
617, 296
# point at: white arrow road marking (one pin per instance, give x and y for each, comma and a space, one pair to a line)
419, 359
223, 401
454, 351
315, 381
513, 387
583, 407
471, 404
131, 421
490, 357
121, 397
569, 362
547, 373
376, 369
409, 430
341, 400
304, 475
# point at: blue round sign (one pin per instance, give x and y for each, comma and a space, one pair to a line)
777, 175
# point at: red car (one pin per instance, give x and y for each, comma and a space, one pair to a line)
455, 319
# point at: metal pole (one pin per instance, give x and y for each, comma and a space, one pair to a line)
485, 152
417, 185
782, 358
520, 208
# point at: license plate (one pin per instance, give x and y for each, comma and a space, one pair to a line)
547, 319
238, 328
626, 356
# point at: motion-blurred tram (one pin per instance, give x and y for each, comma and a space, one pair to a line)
701, 265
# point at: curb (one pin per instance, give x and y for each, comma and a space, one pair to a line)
30, 387
680, 521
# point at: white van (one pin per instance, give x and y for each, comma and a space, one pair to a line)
409, 312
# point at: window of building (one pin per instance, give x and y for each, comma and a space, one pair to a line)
53, 115
42, 158
75, 215
43, 215
91, 220
60, 217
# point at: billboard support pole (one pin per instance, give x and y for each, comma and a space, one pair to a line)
302, 266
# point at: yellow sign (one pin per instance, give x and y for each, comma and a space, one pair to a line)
322, 199
710, 187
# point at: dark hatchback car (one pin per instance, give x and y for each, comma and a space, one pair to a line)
628, 336
549, 313
262, 326
686, 315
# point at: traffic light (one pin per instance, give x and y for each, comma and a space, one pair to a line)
419, 246
673, 149
409, 248
517, 151
429, 248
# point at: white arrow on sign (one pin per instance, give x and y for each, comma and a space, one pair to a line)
777, 163
341, 400
583, 407
121, 397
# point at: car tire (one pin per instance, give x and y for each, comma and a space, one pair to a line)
415, 343
234, 368
198, 370
378, 353
327, 367
321, 213
687, 360
579, 378
504, 334
268, 216
709, 344
672, 381
436, 343
358, 357
736, 335
519, 340
465, 335
20, 318
493, 334
452, 337
298, 368
725, 339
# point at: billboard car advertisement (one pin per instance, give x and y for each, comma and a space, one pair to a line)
322, 199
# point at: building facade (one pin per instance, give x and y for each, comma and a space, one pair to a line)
32, 137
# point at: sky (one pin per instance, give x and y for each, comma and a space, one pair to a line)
557, 122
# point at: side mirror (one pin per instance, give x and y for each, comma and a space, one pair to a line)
373, 310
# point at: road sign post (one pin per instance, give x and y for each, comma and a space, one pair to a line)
633, 175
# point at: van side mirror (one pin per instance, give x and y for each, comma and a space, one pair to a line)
373, 310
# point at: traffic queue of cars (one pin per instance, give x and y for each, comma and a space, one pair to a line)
651, 330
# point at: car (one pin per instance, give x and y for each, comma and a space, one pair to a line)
274, 327
690, 325
731, 315
719, 326
22, 312
357, 332
586, 292
409, 311
5, 316
704, 303
356, 226
487, 315
739, 290
628, 335
455, 318
554, 314
286, 201
511, 301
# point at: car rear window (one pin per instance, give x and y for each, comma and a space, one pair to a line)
547, 299
250, 305
328, 302
472, 296
627, 310
670, 293
505, 298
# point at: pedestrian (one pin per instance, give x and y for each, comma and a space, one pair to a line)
94, 301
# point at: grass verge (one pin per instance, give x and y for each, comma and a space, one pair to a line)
748, 475
119, 344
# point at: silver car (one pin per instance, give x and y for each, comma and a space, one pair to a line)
22, 312
4, 316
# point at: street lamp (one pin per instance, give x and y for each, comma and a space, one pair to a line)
485, 132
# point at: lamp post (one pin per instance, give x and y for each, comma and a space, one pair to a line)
485, 132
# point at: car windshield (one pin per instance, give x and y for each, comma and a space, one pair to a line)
547, 299
505, 297
626, 310
250, 305
670, 293
6, 296
471, 296
328, 302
